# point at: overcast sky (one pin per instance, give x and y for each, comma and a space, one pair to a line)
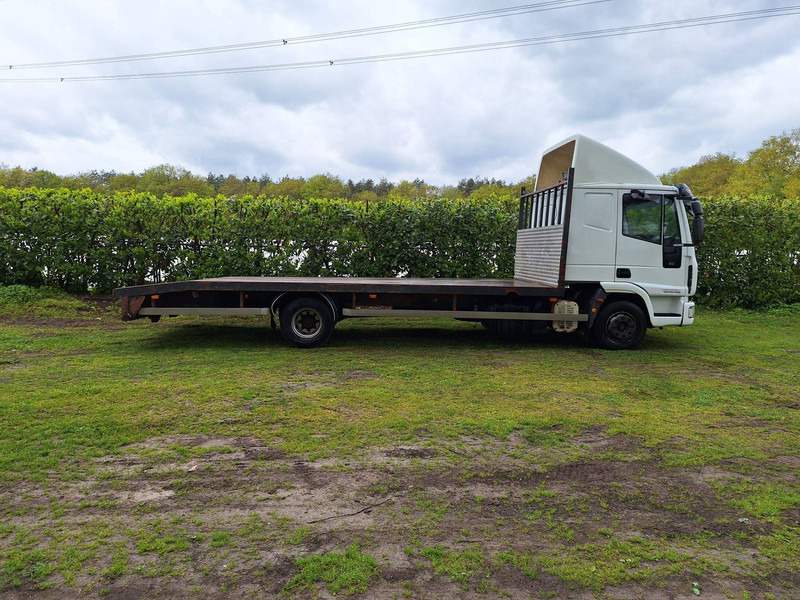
665, 98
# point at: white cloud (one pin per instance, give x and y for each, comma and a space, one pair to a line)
666, 98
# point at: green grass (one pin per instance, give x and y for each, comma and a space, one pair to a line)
460, 566
346, 572
761, 500
609, 563
20, 567
181, 450
89, 391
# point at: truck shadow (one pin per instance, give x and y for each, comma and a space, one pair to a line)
383, 336
432, 336
210, 335
479, 338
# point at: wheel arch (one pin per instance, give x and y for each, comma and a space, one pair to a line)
284, 298
632, 293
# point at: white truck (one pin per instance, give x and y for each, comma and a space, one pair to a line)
604, 250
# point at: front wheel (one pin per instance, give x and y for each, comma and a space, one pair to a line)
306, 322
620, 325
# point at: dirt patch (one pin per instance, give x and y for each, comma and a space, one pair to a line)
408, 452
358, 375
301, 382
227, 517
713, 375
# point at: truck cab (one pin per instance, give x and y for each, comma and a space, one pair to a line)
625, 236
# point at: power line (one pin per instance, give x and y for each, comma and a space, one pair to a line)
538, 41
336, 35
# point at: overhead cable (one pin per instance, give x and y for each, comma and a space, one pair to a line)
537, 41
322, 37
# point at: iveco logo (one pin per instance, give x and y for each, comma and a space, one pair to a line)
671, 292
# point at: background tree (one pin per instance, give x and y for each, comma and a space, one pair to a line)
529, 183
771, 170
384, 187
448, 192
35, 177
123, 182
288, 187
175, 181
97, 181
403, 190
365, 185
709, 177
487, 191
323, 186
232, 186
367, 197
215, 180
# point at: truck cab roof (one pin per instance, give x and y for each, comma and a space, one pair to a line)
594, 163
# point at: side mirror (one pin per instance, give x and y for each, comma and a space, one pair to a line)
698, 225
684, 191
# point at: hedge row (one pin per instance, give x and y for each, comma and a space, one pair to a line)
80, 241
751, 253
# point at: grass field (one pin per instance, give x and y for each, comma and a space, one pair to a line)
425, 459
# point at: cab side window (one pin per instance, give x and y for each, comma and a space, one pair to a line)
653, 218
641, 217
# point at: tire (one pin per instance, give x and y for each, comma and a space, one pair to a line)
621, 325
306, 322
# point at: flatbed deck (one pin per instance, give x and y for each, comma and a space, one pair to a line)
374, 285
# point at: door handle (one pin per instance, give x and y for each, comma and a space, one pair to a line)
623, 273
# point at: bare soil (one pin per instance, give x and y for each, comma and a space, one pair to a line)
490, 498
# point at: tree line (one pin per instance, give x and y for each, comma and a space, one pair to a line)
177, 181
772, 170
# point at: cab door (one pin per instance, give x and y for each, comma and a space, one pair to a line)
649, 250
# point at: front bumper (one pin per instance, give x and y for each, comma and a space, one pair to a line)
688, 313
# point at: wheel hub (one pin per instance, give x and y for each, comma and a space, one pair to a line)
621, 326
306, 323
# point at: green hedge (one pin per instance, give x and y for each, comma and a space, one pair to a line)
751, 254
81, 240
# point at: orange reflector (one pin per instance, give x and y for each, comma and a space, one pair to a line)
373, 296
594, 310
154, 297
553, 299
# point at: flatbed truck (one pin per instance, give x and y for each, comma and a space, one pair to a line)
603, 250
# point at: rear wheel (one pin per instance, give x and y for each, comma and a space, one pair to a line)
621, 325
306, 322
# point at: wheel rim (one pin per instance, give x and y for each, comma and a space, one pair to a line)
621, 327
306, 323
